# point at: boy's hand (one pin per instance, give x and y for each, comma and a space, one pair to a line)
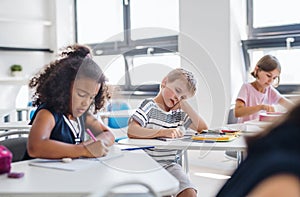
171, 133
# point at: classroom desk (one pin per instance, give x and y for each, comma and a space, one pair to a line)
132, 166
238, 145
19, 125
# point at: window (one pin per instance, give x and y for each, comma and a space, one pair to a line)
274, 32
289, 62
115, 26
140, 37
270, 18
156, 67
162, 20
112, 69
92, 23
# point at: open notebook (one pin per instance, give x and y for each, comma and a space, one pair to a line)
76, 164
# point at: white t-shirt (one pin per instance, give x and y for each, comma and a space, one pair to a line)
251, 97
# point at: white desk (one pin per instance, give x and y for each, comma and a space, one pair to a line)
235, 145
133, 166
238, 145
19, 125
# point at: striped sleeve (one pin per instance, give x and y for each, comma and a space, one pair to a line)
140, 114
187, 121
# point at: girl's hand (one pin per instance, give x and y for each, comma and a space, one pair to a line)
268, 108
96, 149
171, 133
107, 137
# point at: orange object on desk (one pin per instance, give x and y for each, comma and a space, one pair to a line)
217, 138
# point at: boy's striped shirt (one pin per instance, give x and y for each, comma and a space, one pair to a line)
150, 115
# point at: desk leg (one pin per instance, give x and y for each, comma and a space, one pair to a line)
186, 162
20, 115
6, 118
240, 157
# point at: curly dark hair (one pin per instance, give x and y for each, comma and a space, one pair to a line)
53, 83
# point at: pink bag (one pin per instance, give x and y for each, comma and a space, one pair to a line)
5, 159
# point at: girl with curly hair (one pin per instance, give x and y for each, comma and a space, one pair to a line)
66, 91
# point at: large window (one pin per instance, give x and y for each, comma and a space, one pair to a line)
99, 20
143, 34
156, 67
155, 15
269, 17
123, 22
275, 32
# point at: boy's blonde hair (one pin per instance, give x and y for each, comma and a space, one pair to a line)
180, 73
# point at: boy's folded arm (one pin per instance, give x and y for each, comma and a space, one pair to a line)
198, 123
135, 130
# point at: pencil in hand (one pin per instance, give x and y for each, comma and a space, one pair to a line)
89, 132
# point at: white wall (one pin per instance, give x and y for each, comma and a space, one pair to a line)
31, 24
207, 41
27, 25
22, 24
238, 32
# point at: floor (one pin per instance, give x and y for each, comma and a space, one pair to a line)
209, 170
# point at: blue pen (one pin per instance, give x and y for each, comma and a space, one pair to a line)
137, 148
205, 141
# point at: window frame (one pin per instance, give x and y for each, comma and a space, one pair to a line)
268, 31
267, 38
129, 48
268, 43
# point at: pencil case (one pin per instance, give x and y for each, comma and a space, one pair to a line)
5, 160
